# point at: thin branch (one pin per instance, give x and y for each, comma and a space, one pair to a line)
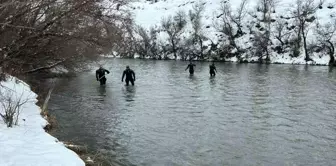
17, 26
45, 67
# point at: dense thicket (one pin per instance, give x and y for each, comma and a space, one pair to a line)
42, 34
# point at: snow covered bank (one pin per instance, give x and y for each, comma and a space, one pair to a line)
27, 143
254, 32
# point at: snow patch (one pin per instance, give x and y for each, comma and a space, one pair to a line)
27, 143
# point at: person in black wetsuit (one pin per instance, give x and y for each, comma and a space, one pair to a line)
130, 76
100, 75
212, 69
191, 68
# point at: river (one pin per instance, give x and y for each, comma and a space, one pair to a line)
249, 114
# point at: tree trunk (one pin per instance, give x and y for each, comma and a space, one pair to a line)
201, 44
268, 36
174, 49
307, 58
279, 38
297, 44
331, 54
233, 43
267, 56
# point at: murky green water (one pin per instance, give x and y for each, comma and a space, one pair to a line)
249, 114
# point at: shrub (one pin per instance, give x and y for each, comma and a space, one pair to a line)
11, 107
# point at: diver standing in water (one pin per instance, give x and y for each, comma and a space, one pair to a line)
213, 70
191, 68
130, 76
100, 75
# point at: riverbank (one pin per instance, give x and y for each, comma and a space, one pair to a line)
27, 143
275, 59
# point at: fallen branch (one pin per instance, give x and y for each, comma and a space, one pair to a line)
45, 67
46, 101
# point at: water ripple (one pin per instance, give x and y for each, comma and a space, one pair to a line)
246, 115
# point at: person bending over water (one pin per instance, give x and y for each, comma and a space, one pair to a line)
212, 69
100, 75
191, 68
130, 76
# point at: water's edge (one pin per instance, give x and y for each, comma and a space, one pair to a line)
229, 61
90, 158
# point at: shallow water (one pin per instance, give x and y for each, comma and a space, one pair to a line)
248, 114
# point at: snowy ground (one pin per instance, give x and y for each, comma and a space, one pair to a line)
27, 144
150, 13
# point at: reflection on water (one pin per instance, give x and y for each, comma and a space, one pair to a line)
102, 90
212, 80
247, 114
129, 93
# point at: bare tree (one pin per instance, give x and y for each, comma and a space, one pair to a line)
282, 34
39, 35
325, 34
146, 46
195, 16
304, 15
154, 49
230, 22
263, 36
143, 46
174, 27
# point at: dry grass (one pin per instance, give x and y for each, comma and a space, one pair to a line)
52, 121
79, 149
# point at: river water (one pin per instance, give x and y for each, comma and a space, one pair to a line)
249, 114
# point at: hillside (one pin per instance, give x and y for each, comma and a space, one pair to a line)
239, 30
